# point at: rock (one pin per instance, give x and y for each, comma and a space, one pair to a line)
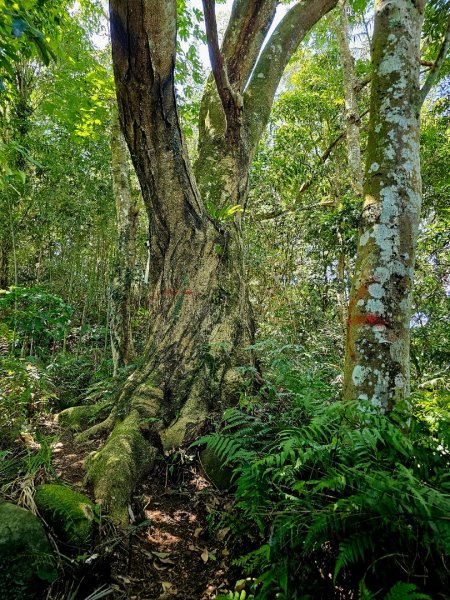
71, 514
26, 558
212, 465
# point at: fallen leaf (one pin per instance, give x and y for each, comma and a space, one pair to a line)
205, 555
222, 533
161, 554
166, 585
197, 532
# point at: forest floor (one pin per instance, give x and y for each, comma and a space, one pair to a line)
170, 551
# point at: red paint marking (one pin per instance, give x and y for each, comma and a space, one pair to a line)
359, 319
365, 320
374, 320
172, 292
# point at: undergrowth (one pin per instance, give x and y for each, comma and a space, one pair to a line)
337, 502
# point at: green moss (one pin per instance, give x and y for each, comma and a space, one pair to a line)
118, 466
80, 417
26, 559
70, 513
191, 417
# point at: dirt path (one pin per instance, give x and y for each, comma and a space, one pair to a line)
169, 552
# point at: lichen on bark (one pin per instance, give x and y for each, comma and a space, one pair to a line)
377, 350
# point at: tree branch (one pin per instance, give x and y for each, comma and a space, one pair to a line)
247, 29
231, 100
307, 184
290, 209
434, 71
143, 39
270, 67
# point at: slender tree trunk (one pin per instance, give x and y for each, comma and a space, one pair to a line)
5, 251
378, 339
127, 211
19, 124
352, 118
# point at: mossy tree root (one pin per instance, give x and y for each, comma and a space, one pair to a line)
137, 419
104, 426
77, 418
115, 470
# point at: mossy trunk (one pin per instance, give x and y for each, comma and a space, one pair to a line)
378, 339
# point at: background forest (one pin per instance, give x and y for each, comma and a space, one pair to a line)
320, 506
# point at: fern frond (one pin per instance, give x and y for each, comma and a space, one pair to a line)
405, 591
353, 550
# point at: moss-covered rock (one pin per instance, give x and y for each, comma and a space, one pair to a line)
212, 465
118, 466
77, 418
70, 513
26, 559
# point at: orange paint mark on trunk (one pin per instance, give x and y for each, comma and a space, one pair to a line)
359, 320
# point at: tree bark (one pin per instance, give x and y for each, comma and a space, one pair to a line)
200, 314
199, 310
378, 338
127, 211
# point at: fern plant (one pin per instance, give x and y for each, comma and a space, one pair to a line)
335, 499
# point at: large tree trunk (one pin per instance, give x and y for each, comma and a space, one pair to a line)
377, 352
127, 211
200, 315
199, 310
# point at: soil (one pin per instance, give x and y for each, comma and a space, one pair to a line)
174, 548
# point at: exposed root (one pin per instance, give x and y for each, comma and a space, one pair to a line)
118, 466
105, 426
129, 453
80, 417
191, 418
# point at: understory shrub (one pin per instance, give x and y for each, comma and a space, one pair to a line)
72, 375
38, 319
336, 498
25, 390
